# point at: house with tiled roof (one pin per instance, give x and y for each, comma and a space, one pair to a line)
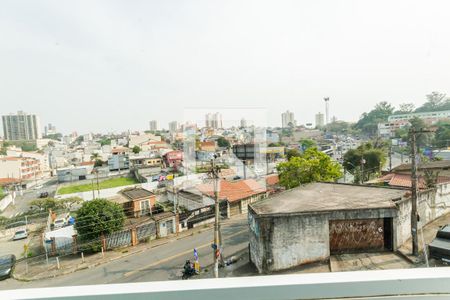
236, 194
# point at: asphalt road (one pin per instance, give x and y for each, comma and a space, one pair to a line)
161, 263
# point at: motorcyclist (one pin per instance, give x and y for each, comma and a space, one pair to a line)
188, 267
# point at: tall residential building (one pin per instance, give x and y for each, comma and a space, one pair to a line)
287, 119
153, 125
243, 123
213, 120
173, 126
320, 120
21, 127
49, 129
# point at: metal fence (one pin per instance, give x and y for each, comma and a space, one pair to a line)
118, 239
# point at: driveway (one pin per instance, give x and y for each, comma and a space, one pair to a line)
368, 261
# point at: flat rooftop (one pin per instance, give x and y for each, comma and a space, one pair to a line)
324, 197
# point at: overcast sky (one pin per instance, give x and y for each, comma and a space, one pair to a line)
114, 65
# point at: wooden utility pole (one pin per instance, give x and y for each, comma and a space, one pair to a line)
414, 192
216, 248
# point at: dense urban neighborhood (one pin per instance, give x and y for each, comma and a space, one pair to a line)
240, 201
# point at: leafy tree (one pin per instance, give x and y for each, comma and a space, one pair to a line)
435, 101
46, 204
405, 108
368, 123
442, 135
98, 163
105, 141
292, 153
311, 166
70, 202
422, 139
307, 143
223, 142
136, 149
95, 156
4, 148
338, 127
97, 217
54, 136
365, 158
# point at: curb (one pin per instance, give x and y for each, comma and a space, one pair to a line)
408, 258
96, 264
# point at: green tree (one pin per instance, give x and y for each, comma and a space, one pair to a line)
364, 161
136, 149
435, 101
70, 202
338, 127
368, 123
311, 166
98, 163
405, 108
442, 135
97, 217
223, 142
422, 139
292, 153
46, 204
55, 136
307, 143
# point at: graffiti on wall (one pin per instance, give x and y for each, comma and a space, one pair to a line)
354, 235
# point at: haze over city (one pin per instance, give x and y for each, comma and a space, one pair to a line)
110, 66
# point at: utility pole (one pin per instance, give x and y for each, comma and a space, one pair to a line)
414, 190
390, 158
93, 190
363, 161
216, 247
98, 186
415, 244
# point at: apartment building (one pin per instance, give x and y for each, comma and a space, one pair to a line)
23, 168
21, 126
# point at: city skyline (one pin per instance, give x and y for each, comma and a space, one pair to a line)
151, 60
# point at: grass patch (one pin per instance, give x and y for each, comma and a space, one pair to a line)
106, 184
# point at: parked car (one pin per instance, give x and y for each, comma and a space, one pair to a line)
20, 235
38, 187
60, 223
7, 263
43, 195
439, 248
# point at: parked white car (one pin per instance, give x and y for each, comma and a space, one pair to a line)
20, 235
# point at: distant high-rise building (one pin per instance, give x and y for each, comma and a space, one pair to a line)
243, 123
173, 126
320, 121
49, 129
333, 119
153, 125
213, 120
287, 119
21, 127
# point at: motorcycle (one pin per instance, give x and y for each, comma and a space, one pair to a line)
188, 271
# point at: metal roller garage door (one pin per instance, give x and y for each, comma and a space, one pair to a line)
360, 235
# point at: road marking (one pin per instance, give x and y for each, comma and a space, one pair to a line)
177, 255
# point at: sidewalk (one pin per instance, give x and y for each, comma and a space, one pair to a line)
37, 268
429, 233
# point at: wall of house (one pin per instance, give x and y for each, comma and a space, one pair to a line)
432, 204
299, 240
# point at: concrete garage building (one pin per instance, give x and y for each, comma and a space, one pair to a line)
309, 223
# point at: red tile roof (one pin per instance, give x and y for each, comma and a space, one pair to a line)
272, 179
6, 181
233, 191
87, 163
404, 180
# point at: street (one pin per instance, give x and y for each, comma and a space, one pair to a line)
22, 202
161, 263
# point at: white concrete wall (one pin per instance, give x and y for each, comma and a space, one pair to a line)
7, 200
432, 204
299, 240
